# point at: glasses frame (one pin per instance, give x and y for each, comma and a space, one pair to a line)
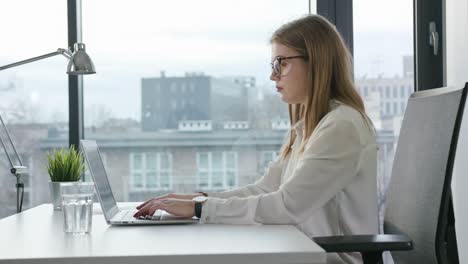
280, 59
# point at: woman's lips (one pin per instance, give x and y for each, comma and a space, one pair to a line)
279, 88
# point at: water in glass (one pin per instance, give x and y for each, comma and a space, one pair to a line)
77, 213
77, 206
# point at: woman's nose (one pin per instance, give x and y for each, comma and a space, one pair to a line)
273, 76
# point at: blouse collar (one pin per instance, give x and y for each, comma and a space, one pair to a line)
298, 127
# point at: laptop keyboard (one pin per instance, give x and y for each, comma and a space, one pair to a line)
128, 216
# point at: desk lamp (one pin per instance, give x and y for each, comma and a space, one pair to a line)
79, 64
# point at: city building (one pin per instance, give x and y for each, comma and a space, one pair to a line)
386, 98
393, 93
168, 100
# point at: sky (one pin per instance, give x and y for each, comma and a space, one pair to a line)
130, 41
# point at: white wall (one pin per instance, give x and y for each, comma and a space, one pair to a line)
456, 19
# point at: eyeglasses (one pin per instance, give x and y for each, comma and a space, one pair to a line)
280, 68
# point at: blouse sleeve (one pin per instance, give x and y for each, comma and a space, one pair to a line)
269, 182
328, 164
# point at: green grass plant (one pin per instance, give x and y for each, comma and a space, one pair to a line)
65, 165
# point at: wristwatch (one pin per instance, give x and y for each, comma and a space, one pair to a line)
199, 200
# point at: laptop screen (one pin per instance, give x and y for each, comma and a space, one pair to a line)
98, 172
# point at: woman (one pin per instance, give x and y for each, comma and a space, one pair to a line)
324, 181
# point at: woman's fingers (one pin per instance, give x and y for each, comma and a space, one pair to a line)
179, 207
143, 204
160, 205
143, 210
153, 200
151, 207
167, 196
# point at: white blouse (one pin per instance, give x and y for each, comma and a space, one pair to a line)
330, 189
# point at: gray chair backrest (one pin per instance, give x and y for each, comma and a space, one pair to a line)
421, 167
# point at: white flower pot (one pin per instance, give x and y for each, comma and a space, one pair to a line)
55, 195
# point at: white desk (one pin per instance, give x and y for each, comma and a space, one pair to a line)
36, 236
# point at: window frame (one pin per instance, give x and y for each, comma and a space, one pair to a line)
75, 82
144, 170
263, 162
210, 171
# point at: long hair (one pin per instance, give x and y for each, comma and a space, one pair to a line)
329, 73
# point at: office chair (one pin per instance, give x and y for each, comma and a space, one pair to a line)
419, 225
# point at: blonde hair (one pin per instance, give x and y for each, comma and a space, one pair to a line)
329, 72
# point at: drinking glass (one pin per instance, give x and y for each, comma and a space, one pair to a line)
77, 206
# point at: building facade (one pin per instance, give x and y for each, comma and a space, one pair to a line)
168, 100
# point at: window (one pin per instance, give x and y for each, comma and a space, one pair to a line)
366, 91
150, 171
217, 170
173, 88
137, 171
267, 157
383, 55
174, 104
33, 96
192, 87
204, 170
165, 168
231, 169
182, 65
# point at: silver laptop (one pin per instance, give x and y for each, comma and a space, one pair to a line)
113, 215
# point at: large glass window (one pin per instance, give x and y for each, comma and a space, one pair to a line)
217, 170
150, 171
186, 78
383, 56
34, 96
267, 158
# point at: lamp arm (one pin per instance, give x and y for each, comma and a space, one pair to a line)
17, 170
11, 142
63, 52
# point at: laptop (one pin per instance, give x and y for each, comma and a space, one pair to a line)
112, 213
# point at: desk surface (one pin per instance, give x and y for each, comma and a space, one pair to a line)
36, 236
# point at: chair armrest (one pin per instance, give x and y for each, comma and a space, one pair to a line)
364, 243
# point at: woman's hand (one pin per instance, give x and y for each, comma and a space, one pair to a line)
180, 196
178, 207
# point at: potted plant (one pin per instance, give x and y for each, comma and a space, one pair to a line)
64, 165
